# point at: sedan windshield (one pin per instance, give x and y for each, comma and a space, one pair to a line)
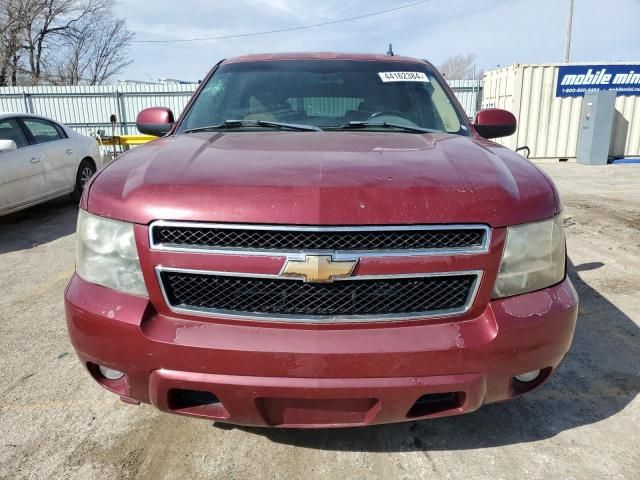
329, 94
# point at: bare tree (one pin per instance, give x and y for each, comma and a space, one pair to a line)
53, 23
110, 44
459, 67
14, 15
94, 53
61, 41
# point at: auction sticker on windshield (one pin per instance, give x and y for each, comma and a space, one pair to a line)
403, 77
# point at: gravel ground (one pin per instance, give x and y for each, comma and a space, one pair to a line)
55, 422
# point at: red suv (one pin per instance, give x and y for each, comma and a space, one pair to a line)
321, 240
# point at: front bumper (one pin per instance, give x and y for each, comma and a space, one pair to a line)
310, 376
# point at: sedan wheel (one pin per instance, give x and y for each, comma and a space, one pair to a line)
85, 175
85, 172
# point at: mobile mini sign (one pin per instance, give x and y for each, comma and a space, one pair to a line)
576, 80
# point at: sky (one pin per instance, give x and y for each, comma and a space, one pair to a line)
499, 32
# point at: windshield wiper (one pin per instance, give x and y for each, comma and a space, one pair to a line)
227, 124
407, 128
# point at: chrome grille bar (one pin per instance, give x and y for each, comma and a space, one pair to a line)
248, 239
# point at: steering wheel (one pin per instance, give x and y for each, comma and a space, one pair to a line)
392, 113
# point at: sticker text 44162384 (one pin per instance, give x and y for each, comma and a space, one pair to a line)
403, 77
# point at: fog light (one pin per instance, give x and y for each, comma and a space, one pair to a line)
528, 377
109, 373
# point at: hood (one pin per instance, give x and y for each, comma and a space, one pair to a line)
323, 178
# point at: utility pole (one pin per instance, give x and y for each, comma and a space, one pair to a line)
567, 45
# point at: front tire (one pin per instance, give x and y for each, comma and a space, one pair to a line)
86, 170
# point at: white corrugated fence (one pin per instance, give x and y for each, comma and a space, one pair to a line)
468, 93
85, 108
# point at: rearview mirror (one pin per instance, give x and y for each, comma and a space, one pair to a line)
156, 121
495, 123
6, 145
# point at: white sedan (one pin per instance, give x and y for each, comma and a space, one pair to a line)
40, 160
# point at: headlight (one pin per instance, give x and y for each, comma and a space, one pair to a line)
106, 254
533, 258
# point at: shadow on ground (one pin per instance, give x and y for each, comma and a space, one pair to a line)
38, 225
598, 379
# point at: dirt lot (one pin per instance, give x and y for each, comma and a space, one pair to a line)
585, 423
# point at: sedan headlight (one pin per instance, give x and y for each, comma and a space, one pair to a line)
106, 254
533, 258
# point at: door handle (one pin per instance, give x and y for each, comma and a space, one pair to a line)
69, 151
35, 159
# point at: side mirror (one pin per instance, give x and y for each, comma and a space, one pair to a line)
156, 121
495, 123
6, 145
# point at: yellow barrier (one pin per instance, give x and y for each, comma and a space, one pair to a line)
126, 140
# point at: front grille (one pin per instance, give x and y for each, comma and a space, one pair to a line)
337, 238
274, 297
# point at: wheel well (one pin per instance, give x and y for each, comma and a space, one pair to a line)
90, 160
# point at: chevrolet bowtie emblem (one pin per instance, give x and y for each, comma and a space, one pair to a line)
318, 268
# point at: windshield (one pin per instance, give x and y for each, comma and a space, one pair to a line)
327, 94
